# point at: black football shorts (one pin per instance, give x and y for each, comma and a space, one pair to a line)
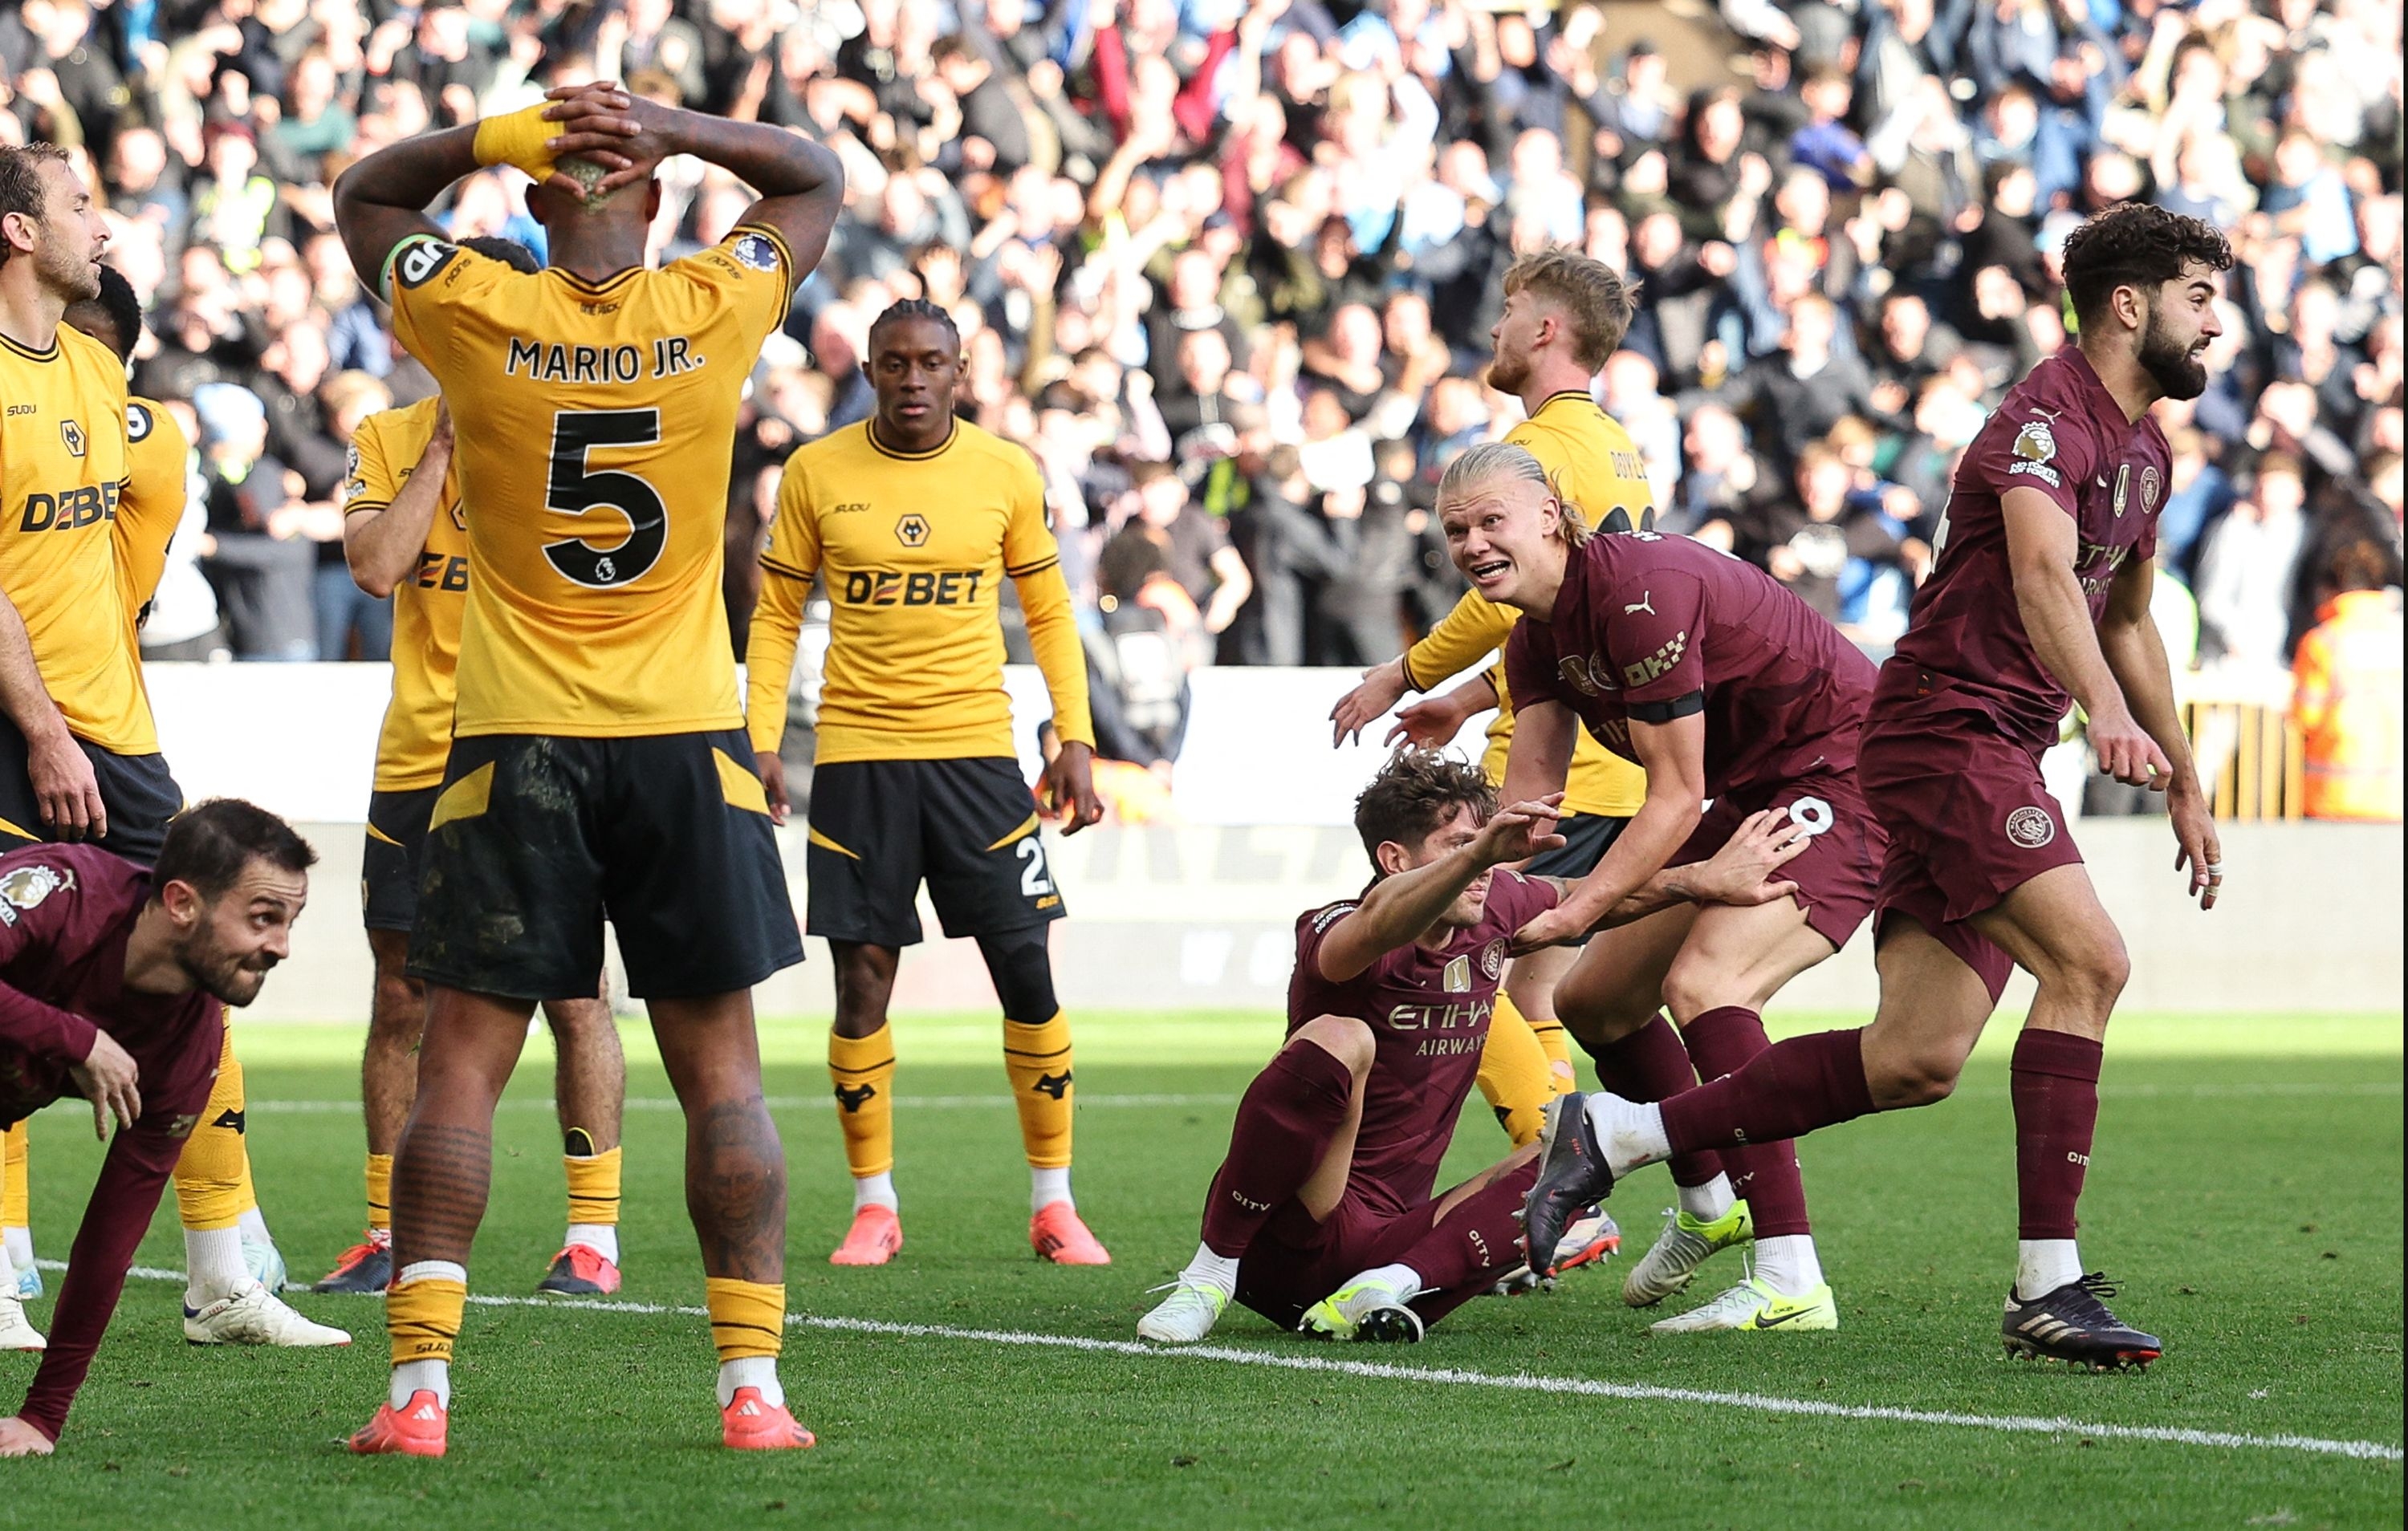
969, 828
138, 790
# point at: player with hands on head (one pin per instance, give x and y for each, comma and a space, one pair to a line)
2038, 600
599, 766
912, 519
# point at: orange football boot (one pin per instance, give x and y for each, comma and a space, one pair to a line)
876, 1236
750, 1423
1057, 1234
420, 1427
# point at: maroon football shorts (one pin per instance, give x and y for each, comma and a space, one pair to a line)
1969, 820
1295, 1262
1835, 874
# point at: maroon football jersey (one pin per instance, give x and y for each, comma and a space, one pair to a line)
1429, 1014
65, 911
1658, 627
2060, 432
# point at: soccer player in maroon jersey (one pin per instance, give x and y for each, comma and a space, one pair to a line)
1322, 1216
2040, 599
113, 981
1731, 691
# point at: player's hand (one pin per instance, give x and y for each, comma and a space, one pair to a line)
2126, 752
441, 441
1741, 872
17, 1439
64, 787
1426, 725
1520, 832
1068, 789
1557, 927
2200, 851
773, 783
1383, 687
108, 1079
625, 133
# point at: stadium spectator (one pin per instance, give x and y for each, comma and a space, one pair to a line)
2347, 690
1089, 184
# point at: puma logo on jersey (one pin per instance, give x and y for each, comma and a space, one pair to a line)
1646, 603
854, 1098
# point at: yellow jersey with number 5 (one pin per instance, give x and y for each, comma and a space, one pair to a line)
592, 426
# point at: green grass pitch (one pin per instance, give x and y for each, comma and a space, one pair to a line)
2246, 1191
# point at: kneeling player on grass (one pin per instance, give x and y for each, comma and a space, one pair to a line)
1322, 1216
2039, 598
112, 987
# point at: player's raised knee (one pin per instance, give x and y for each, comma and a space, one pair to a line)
1917, 1076
1341, 1036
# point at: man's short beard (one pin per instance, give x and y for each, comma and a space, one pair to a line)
2170, 366
1508, 374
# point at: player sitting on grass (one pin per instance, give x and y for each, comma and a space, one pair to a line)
112, 983
1322, 1216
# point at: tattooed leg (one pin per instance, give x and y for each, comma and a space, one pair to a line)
735, 1166
444, 1162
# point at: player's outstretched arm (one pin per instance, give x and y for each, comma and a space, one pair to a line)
2042, 543
1476, 626
64, 787
1744, 872
1674, 755
381, 542
1433, 722
801, 182
2135, 652
1400, 907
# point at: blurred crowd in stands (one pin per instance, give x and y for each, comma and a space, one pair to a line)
1227, 268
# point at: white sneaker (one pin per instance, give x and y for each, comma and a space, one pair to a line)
1686, 1243
1185, 1316
16, 1333
256, 1316
266, 1263
1753, 1305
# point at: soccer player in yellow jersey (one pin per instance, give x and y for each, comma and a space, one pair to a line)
405, 535
1564, 314
598, 763
913, 520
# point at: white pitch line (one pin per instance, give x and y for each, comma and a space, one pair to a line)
2368, 1450
781, 1103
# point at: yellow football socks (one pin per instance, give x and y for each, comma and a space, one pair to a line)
210, 1175
421, 1314
747, 1318
1038, 1059
1514, 1073
1558, 1048
380, 1184
862, 1068
13, 1213
593, 1187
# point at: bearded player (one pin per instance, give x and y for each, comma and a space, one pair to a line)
599, 766
80, 755
2038, 600
113, 981
1738, 698
405, 536
914, 519
1322, 1216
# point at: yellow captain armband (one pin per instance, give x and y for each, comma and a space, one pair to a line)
521, 138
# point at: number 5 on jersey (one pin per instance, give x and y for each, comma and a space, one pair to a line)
575, 491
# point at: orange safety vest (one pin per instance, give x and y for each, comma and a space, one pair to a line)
2346, 698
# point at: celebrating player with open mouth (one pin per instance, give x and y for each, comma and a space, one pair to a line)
2040, 599
1322, 1217
598, 763
1729, 688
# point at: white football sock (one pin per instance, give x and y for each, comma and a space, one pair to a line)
1710, 1202
1217, 1271
601, 1238
254, 1228
18, 1244
1405, 1279
2043, 1265
1047, 1186
8, 1271
874, 1190
413, 1376
1630, 1132
759, 1371
213, 1267
1787, 1264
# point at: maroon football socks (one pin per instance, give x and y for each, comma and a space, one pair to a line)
1652, 1065
2055, 1083
1786, 1091
1723, 1042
